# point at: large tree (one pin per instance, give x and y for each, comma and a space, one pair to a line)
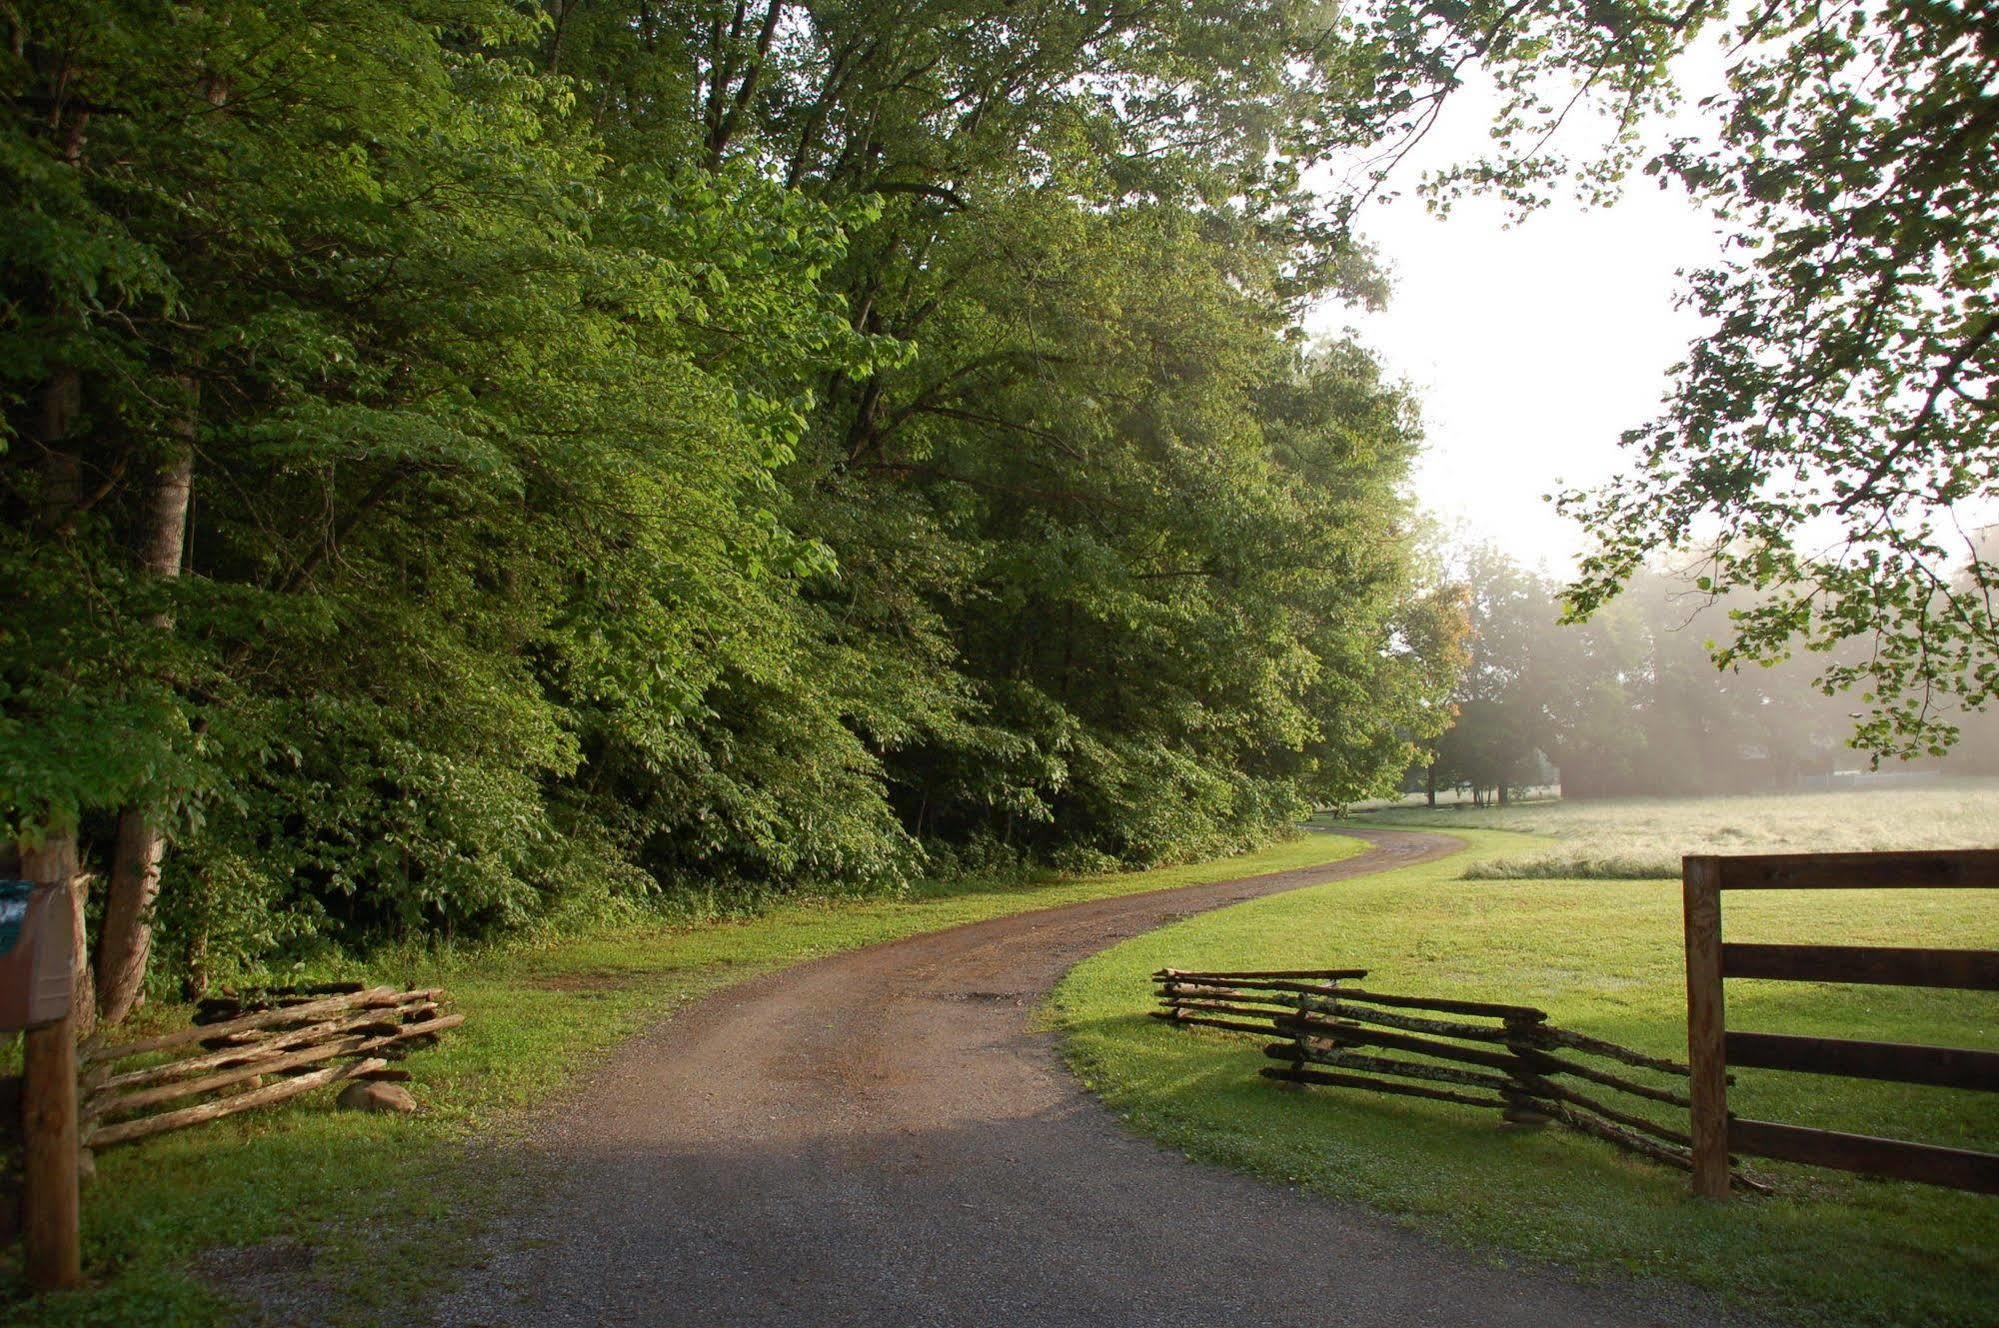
1830, 446
468, 460
1119, 556
371, 464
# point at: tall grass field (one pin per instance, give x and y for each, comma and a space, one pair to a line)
1644, 838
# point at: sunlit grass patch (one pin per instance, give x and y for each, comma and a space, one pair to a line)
1602, 957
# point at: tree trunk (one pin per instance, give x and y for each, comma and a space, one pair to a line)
62, 473
83, 994
61, 492
125, 941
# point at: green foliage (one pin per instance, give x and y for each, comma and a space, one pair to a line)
1630, 702
1828, 445
647, 451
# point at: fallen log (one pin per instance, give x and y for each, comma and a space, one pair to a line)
428, 1030
228, 1005
360, 1042
114, 1104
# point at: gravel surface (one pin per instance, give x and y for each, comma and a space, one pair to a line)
883, 1138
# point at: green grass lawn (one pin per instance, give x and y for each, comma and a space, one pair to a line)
388, 1205
1603, 957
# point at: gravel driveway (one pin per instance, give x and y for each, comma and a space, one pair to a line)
883, 1138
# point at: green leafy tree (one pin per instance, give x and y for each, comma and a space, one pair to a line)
1828, 441
469, 463
344, 307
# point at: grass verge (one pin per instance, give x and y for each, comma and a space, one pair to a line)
1602, 957
365, 1213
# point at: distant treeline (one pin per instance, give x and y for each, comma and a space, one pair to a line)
1630, 703
466, 459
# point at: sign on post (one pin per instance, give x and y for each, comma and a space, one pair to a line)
36, 944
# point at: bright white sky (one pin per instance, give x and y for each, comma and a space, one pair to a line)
1532, 348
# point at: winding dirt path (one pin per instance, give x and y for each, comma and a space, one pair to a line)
882, 1138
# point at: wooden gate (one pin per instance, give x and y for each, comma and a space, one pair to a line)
1712, 1048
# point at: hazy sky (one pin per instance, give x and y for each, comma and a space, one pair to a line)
1532, 348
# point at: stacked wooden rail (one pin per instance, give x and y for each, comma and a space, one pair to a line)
1507, 1058
252, 1051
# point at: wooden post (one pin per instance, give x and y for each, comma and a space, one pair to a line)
1522, 1110
1706, 1055
51, 1223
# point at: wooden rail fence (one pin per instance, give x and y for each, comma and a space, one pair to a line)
1712, 1047
252, 1052
1507, 1058
243, 1052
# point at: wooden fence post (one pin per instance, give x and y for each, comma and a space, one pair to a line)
1707, 1087
51, 1223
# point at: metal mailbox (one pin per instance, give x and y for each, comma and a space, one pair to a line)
35, 954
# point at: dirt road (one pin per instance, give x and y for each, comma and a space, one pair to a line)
882, 1138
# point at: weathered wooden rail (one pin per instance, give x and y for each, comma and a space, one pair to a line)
1506, 1058
1712, 1048
252, 1052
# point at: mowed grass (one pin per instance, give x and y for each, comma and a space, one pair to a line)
1602, 957
1641, 838
367, 1213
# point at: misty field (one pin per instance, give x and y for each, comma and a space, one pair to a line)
1644, 838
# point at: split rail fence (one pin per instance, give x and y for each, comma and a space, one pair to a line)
243, 1052
1713, 1047
252, 1052
1507, 1058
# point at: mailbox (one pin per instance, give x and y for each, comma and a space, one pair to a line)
35, 954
